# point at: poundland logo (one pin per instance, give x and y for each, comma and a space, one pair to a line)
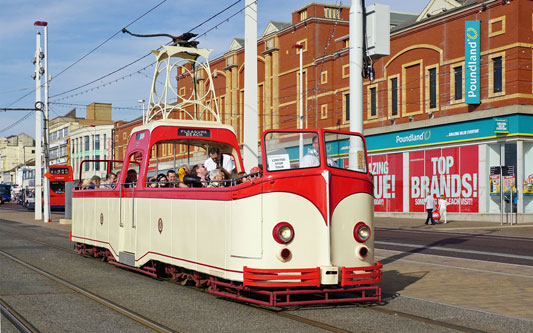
424, 136
472, 48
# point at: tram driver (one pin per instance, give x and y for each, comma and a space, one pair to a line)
312, 158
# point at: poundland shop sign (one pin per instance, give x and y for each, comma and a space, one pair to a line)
472, 55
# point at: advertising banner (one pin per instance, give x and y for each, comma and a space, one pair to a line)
452, 172
388, 182
472, 61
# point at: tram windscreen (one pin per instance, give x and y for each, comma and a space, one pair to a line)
347, 150
299, 150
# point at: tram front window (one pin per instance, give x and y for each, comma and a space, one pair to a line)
301, 150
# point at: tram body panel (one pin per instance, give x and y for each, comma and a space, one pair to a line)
245, 227
355, 208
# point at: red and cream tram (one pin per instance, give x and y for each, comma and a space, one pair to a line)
293, 231
302, 233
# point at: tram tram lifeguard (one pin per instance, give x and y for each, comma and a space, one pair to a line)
302, 233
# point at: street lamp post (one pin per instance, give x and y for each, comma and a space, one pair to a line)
141, 101
301, 123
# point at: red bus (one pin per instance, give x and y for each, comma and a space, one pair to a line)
59, 174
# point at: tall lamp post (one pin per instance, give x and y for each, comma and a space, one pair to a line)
301, 123
141, 101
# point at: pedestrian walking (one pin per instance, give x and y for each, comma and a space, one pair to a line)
429, 201
442, 207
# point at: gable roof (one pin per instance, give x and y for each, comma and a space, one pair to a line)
275, 26
236, 44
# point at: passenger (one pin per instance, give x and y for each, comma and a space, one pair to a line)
162, 180
131, 178
256, 173
199, 176
152, 182
227, 177
312, 158
110, 180
86, 183
94, 182
216, 159
172, 178
182, 171
217, 178
242, 178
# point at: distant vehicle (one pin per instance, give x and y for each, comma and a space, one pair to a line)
5, 193
59, 174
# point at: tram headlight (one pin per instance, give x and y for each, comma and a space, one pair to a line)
283, 233
361, 232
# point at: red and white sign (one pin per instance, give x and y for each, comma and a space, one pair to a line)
388, 182
451, 171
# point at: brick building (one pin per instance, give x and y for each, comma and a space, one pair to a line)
421, 133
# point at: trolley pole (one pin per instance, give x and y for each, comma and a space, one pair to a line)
38, 129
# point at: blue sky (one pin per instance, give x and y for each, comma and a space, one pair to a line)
76, 27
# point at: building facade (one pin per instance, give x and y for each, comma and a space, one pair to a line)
91, 143
15, 151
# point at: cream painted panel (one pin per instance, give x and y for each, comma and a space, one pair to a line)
78, 228
144, 229
184, 231
246, 227
210, 234
113, 223
101, 230
309, 247
158, 242
126, 240
89, 217
352, 209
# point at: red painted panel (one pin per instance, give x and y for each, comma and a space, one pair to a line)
388, 182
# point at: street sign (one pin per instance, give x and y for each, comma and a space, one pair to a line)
47, 175
506, 170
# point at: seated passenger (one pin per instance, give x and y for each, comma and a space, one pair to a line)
110, 180
217, 178
256, 173
131, 178
152, 182
95, 182
182, 171
199, 177
241, 178
162, 180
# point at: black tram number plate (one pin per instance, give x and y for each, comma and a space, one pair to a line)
204, 133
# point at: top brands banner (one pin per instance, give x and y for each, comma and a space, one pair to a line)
472, 61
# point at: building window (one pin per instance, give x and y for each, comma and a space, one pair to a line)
303, 15
347, 106
432, 72
373, 107
324, 77
304, 46
323, 111
87, 143
498, 74
97, 141
458, 82
332, 13
97, 164
394, 96
346, 71
124, 136
86, 166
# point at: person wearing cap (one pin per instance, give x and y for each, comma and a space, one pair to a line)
255, 173
216, 159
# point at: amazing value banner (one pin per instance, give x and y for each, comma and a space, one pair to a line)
450, 171
387, 170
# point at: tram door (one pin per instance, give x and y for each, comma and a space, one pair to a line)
127, 230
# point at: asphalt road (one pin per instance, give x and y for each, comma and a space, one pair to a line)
504, 249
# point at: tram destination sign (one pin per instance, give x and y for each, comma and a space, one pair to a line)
197, 132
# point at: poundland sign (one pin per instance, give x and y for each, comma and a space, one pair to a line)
472, 41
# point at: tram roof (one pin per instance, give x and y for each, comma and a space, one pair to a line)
150, 126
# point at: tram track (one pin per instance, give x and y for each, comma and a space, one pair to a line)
17, 320
282, 312
100, 300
